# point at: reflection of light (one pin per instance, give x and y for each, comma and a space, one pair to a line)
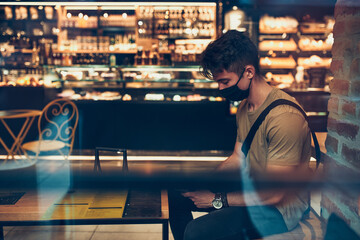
109, 4
284, 35
55, 30
86, 17
106, 15
68, 15
330, 39
140, 23
80, 15
124, 15
40, 7
195, 31
133, 158
234, 19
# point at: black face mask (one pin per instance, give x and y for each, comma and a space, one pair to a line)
234, 93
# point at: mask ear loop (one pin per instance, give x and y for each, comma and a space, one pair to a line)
250, 83
240, 77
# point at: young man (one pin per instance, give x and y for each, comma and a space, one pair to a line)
280, 146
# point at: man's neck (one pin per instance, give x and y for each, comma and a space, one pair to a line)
258, 93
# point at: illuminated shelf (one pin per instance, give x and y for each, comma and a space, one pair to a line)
96, 51
278, 45
278, 31
277, 63
308, 63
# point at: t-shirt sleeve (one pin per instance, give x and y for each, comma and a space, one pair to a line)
286, 138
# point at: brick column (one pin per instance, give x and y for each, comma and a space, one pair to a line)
343, 140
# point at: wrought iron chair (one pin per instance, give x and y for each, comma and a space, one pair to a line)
56, 125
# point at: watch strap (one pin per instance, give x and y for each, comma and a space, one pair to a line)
224, 199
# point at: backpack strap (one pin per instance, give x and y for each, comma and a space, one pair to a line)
249, 138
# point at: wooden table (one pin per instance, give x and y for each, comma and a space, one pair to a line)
28, 116
87, 207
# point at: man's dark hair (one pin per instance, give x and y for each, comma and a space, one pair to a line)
231, 52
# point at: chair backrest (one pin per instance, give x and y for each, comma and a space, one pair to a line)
97, 166
58, 122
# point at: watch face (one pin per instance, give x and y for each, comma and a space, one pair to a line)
217, 203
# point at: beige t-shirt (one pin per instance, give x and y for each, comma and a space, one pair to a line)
282, 139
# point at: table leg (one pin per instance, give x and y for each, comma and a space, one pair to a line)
2, 233
27, 126
17, 138
165, 231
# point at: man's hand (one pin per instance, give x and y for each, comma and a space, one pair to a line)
201, 199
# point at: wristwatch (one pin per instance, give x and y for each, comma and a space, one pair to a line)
220, 201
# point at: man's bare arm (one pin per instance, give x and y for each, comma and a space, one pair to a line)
264, 197
233, 162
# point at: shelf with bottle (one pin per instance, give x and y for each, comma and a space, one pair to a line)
29, 13
95, 51
176, 22
28, 21
98, 20
120, 42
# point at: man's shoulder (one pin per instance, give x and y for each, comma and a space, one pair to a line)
280, 94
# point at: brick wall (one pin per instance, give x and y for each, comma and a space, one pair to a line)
343, 140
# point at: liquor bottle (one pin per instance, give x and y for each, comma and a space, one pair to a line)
112, 60
50, 59
42, 58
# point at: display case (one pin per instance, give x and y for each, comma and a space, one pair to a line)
134, 83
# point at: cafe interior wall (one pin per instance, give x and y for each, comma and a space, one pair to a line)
342, 161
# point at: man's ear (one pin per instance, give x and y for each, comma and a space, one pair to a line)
249, 71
